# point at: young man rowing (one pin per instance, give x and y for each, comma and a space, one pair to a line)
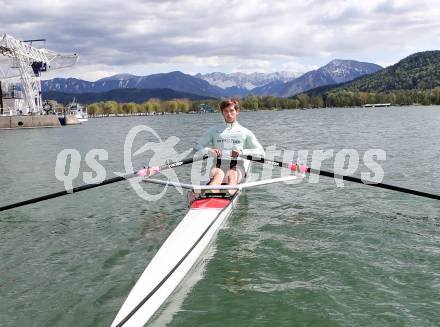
227, 141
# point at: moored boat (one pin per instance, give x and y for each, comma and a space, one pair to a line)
77, 110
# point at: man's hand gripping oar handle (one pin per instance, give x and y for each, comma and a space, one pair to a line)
148, 171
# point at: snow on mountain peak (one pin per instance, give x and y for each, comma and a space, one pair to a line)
246, 81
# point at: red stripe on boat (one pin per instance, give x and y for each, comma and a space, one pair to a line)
210, 203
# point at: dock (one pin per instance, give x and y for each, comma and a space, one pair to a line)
29, 121
376, 105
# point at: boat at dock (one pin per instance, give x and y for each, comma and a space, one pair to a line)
77, 110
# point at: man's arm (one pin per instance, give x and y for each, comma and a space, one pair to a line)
252, 147
204, 143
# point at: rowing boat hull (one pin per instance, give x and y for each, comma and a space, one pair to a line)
175, 259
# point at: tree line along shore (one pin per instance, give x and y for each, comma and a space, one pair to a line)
341, 98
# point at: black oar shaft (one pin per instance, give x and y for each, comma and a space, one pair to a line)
61, 193
89, 186
347, 178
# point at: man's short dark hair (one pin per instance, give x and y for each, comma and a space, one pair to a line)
226, 103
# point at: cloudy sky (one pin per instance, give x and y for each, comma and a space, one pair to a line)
142, 37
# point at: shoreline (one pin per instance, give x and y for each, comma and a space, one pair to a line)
258, 110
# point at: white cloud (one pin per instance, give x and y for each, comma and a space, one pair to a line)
143, 37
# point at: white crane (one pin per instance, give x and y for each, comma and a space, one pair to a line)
30, 62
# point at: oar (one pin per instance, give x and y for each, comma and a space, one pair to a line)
305, 169
143, 172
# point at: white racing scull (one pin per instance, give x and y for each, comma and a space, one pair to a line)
175, 258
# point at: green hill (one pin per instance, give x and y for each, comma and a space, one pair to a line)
121, 95
419, 71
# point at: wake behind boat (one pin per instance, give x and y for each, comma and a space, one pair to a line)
174, 260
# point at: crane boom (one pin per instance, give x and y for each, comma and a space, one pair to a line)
31, 62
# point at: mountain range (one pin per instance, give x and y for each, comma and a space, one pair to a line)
280, 84
419, 71
176, 81
335, 72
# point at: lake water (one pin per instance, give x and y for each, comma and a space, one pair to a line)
310, 254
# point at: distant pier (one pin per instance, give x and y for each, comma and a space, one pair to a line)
376, 105
29, 121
